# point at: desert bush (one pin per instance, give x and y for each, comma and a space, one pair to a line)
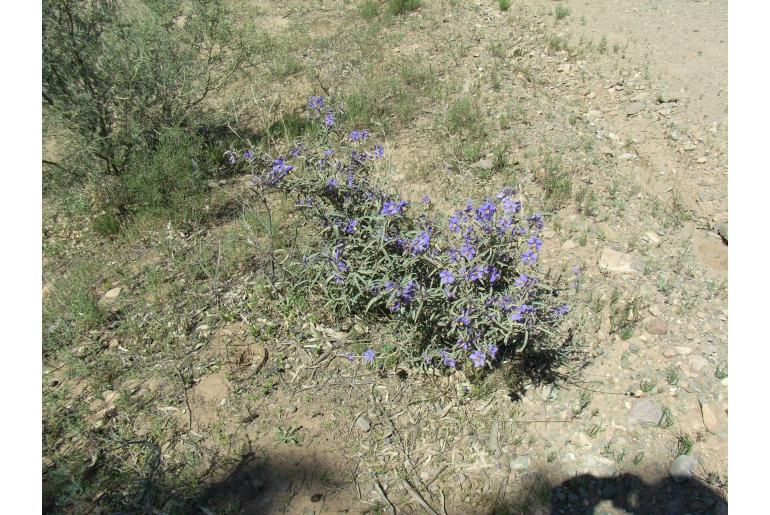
117, 76
466, 284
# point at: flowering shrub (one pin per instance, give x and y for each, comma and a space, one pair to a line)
466, 283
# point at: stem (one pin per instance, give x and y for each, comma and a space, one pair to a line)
270, 240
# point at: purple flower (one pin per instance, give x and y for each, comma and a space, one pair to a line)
561, 310
357, 135
510, 206
576, 270
329, 119
280, 170
369, 356
536, 220
350, 228
379, 151
504, 193
249, 155
427, 358
477, 273
297, 150
328, 152
463, 343
452, 253
425, 199
516, 315
332, 184
447, 359
454, 223
467, 251
522, 280
528, 257
463, 320
393, 207
492, 349
526, 309
420, 243
468, 206
485, 211
479, 358
316, 103
446, 277
494, 274
536, 242
231, 158
350, 356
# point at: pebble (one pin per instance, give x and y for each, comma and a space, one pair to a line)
722, 230
652, 238
711, 420
698, 363
682, 468
291, 409
112, 294
627, 155
110, 397
644, 411
635, 108
484, 164
363, 424
569, 245
618, 262
655, 310
657, 326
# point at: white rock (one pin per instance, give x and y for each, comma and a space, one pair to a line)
618, 262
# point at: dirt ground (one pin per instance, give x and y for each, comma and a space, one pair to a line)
632, 99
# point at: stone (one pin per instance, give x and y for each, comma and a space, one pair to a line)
644, 412
698, 363
655, 310
627, 156
484, 164
569, 245
711, 417
681, 469
564, 67
722, 230
635, 108
520, 463
620, 263
598, 466
110, 397
112, 294
657, 326
363, 424
291, 409
652, 238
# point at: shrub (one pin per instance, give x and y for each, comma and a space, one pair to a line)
403, 6
167, 178
467, 285
117, 74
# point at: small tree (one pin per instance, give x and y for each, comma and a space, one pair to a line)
117, 74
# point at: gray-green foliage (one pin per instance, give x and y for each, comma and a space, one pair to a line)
116, 74
466, 285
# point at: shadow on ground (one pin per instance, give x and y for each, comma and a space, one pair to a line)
625, 493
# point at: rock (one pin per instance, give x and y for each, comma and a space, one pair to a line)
667, 96
711, 417
110, 397
363, 424
652, 238
291, 409
655, 310
657, 326
626, 156
635, 108
644, 412
598, 466
569, 245
682, 468
722, 230
520, 463
591, 95
484, 164
698, 363
112, 294
564, 67
618, 262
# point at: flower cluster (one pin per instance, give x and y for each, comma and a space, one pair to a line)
467, 284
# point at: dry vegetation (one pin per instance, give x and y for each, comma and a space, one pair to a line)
184, 371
